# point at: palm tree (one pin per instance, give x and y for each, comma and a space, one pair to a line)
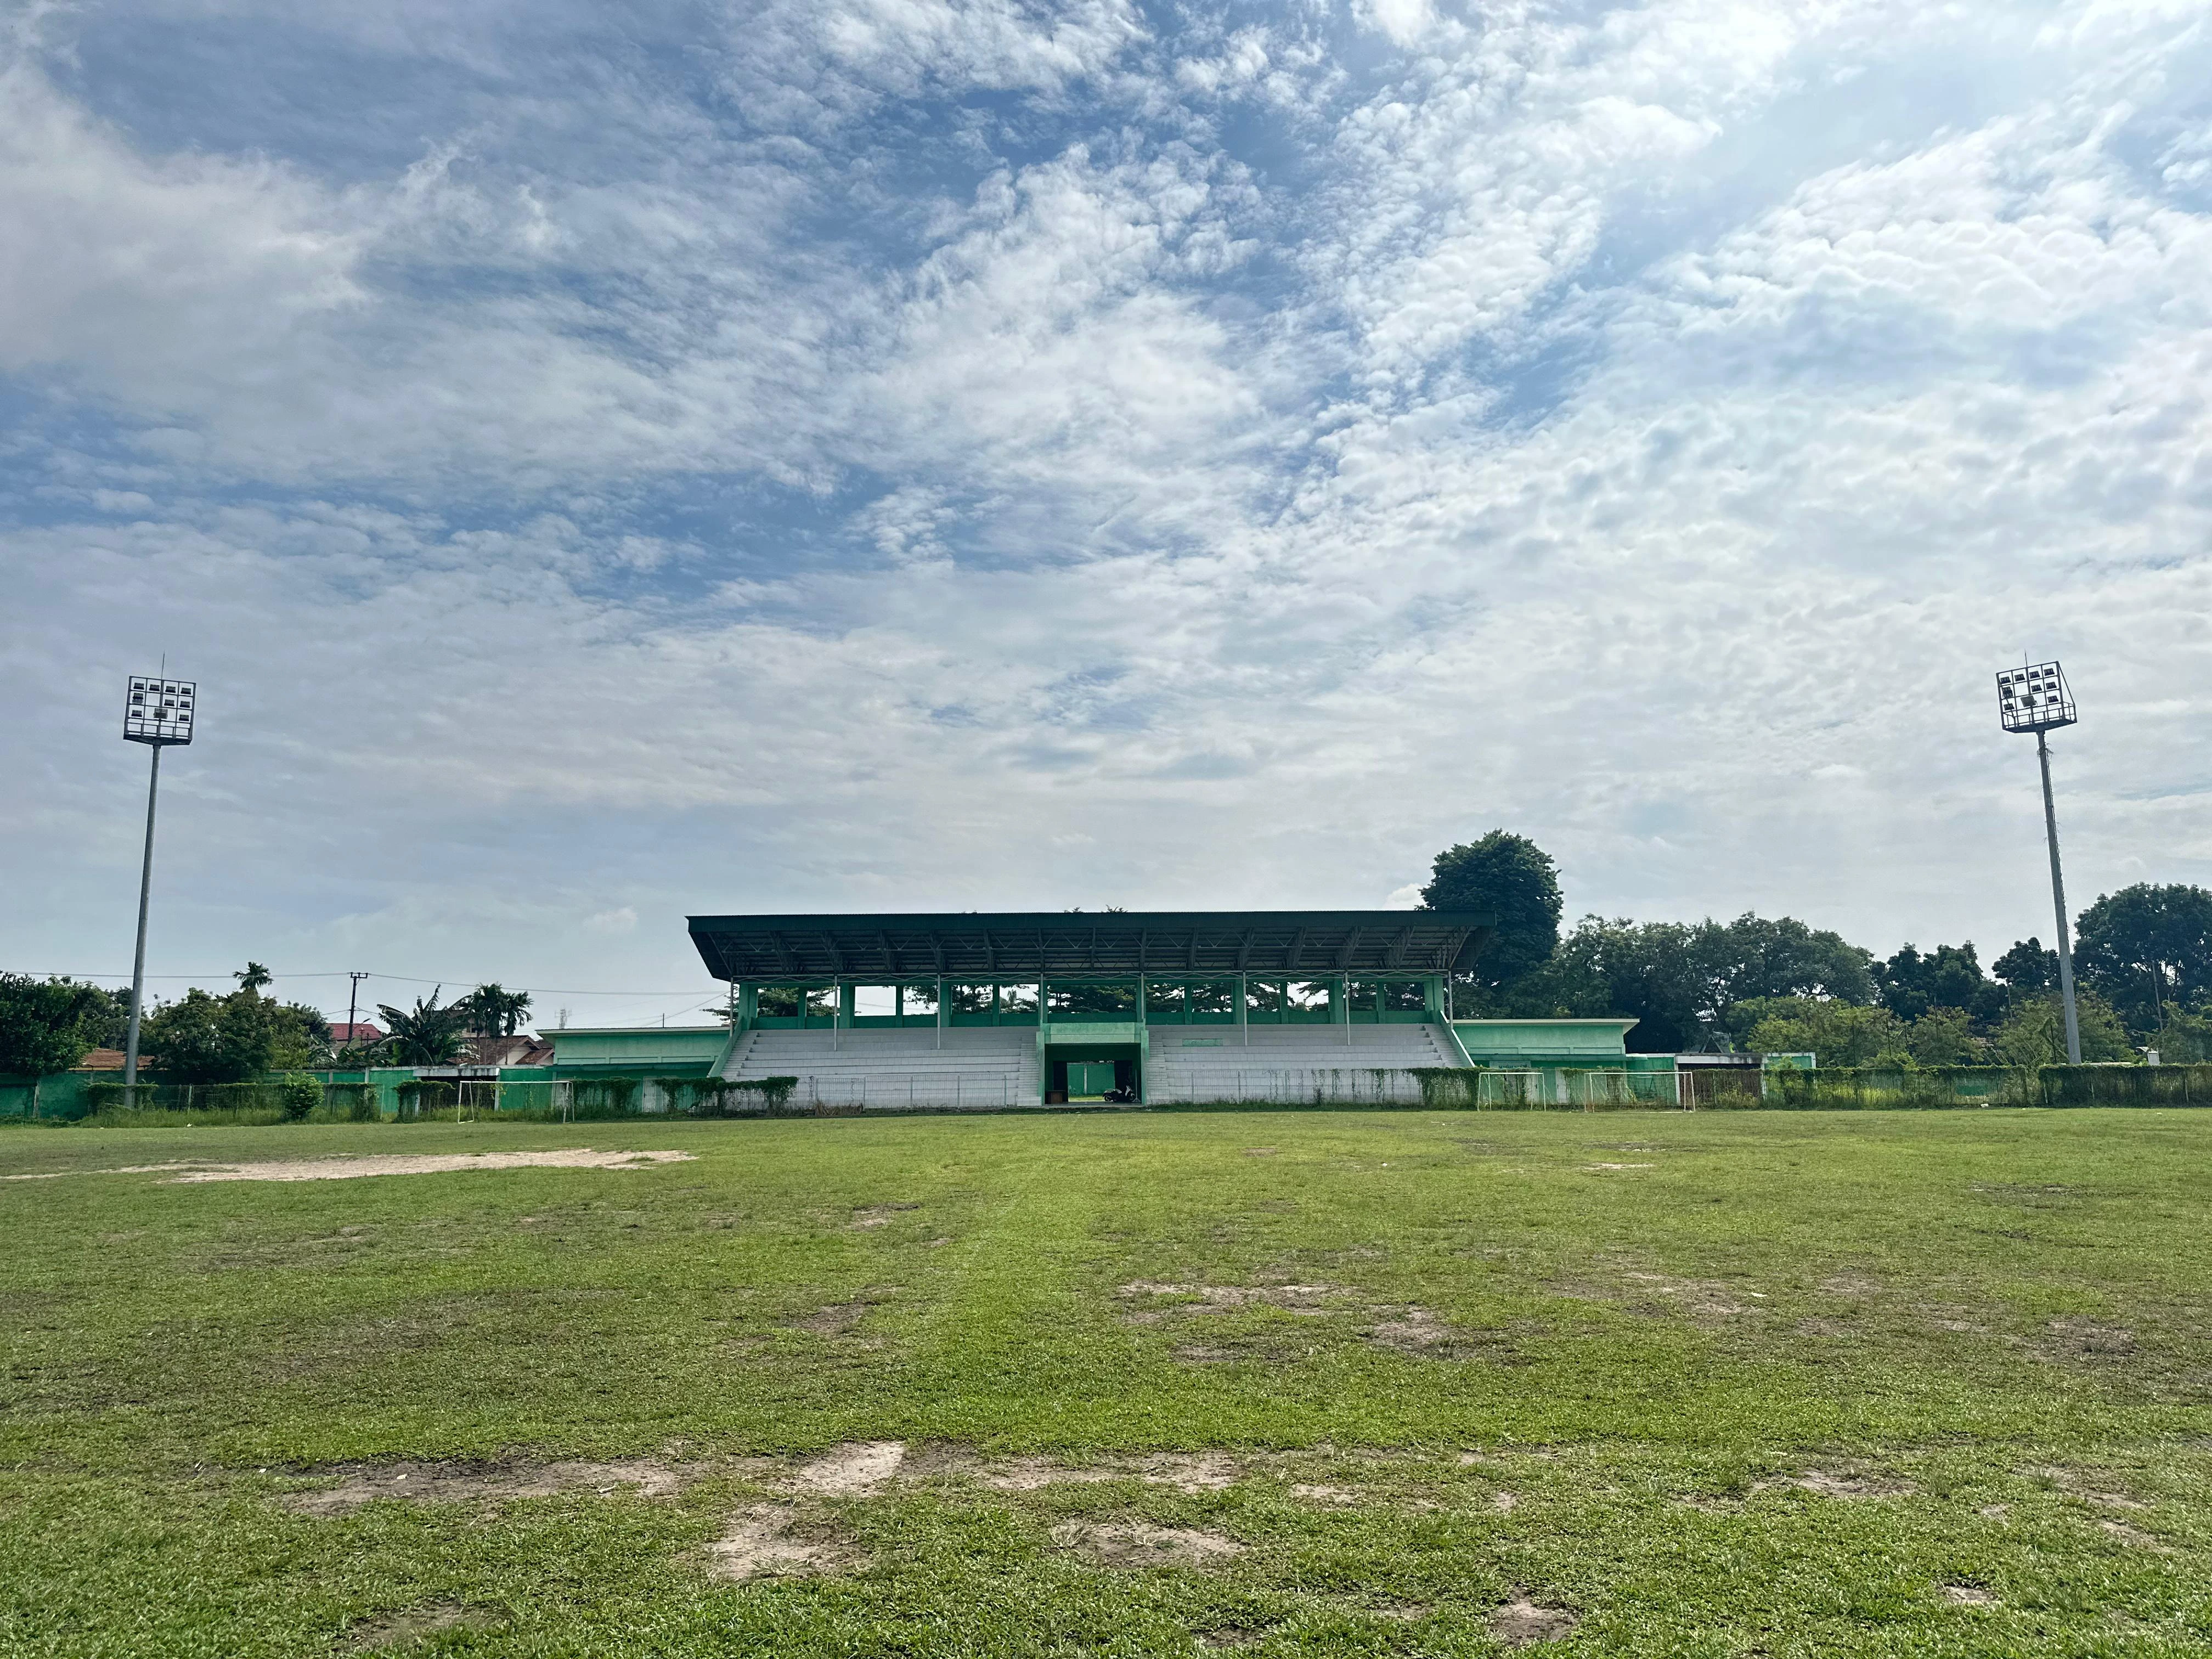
427, 1034
494, 1011
253, 978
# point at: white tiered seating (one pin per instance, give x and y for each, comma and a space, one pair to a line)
1290, 1062
975, 1067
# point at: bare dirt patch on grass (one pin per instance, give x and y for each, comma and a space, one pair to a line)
2091, 1487
1156, 1301
879, 1215
449, 1483
842, 1318
1418, 1332
1840, 1483
852, 1470
120, 1169
761, 1543
2073, 1338
1852, 1285
344, 1168
836, 1320
396, 1632
1403, 1329
1140, 1544
1523, 1622
1189, 1473
1968, 1595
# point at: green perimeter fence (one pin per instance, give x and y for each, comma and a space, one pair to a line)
398, 1095
393, 1095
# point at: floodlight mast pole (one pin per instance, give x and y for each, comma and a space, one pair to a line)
138, 958
2058, 906
159, 714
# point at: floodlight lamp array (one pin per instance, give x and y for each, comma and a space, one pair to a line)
159, 710
2034, 697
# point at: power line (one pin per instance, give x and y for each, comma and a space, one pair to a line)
401, 979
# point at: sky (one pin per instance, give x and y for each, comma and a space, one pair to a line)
603, 463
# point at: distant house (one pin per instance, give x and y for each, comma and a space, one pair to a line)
101, 1059
342, 1034
523, 1050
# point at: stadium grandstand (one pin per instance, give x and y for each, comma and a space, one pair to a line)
975, 1010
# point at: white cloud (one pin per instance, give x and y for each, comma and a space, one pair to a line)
955, 456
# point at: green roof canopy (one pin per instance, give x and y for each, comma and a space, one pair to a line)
1074, 943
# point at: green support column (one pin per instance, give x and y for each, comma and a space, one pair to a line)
944, 1014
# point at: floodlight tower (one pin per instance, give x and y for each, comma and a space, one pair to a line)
2034, 697
160, 715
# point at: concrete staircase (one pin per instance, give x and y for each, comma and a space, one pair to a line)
1290, 1062
977, 1068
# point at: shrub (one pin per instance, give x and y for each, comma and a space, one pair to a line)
297, 1096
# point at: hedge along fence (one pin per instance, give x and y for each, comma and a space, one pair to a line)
1940, 1088
293, 1097
1485, 1089
120, 1099
1937, 1088
2126, 1086
721, 1096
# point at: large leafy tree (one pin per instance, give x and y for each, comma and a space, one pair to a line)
1687, 985
202, 1038
2027, 967
47, 1025
1949, 976
492, 1011
1835, 1033
427, 1034
1512, 878
2147, 949
301, 1037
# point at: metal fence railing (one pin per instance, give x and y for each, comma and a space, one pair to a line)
1289, 1086
971, 1091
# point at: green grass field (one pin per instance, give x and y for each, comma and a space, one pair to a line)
1277, 1382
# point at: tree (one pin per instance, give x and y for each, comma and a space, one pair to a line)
426, 1035
1944, 1036
46, 1025
254, 978
1688, 985
1513, 879
490, 1011
2027, 966
1752, 957
1949, 976
1834, 1033
2146, 947
2034, 1033
211, 1039
300, 1037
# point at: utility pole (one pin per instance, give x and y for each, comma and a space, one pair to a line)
353, 1004
2036, 698
158, 713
